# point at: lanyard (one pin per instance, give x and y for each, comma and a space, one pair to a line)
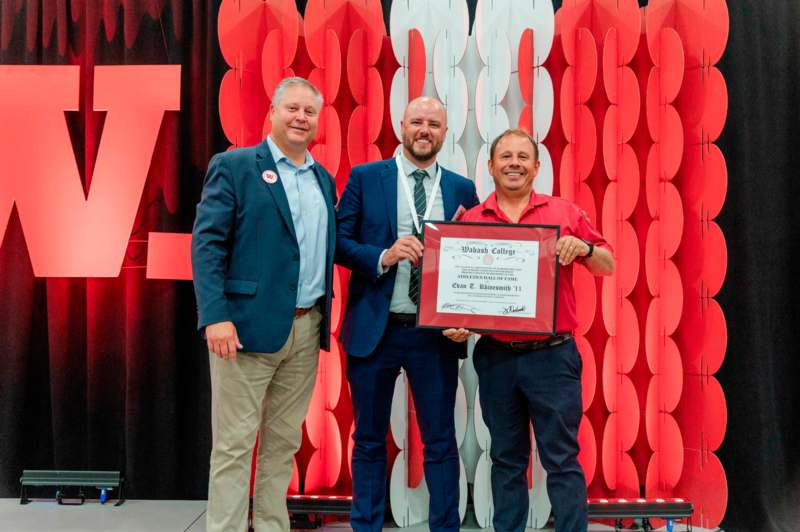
401, 175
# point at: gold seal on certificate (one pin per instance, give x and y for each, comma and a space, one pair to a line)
489, 277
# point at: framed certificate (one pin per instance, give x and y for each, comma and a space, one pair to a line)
489, 277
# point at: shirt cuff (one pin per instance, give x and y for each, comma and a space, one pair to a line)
381, 268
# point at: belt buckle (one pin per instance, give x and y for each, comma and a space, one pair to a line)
558, 340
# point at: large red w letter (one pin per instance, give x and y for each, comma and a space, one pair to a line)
67, 233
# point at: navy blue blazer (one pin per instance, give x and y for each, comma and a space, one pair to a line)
245, 256
366, 225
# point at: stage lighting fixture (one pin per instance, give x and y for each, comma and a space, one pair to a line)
671, 510
319, 504
67, 482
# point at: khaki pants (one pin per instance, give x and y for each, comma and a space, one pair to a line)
268, 395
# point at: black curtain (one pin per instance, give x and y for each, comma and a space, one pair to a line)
110, 374
760, 219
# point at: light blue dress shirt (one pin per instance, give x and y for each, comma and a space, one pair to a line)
400, 302
310, 218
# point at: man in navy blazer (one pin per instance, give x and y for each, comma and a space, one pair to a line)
262, 258
378, 225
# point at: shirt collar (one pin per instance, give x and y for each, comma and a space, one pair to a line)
490, 203
409, 167
278, 155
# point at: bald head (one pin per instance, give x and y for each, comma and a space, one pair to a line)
427, 105
423, 128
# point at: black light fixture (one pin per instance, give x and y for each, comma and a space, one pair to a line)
307, 510
319, 504
69, 482
640, 508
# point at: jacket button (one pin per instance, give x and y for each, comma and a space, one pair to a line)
296, 256
293, 286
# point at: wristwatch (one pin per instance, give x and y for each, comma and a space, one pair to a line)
591, 249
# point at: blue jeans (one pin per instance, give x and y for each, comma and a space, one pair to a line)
542, 386
432, 372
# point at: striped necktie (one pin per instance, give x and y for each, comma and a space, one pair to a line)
420, 206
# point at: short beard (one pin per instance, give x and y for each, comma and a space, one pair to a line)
409, 145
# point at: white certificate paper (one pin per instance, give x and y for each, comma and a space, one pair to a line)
488, 277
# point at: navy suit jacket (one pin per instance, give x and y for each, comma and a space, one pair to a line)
366, 225
245, 256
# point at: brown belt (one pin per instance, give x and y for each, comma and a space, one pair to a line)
302, 311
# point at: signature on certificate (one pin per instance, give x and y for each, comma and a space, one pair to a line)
513, 309
458, 307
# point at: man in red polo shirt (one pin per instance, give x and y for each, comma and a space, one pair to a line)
526, 378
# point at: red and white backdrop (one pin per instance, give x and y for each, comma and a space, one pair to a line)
626, 101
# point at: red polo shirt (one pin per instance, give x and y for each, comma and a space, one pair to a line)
548, 210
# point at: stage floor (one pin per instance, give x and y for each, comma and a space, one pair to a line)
146, 516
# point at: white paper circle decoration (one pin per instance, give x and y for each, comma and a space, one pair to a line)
462, 490
543, 184
460, 414
409, 506
481, 430
429, 17
399, 413
489, 113
497, 74
452, 156
482, 491
484, 184
398, 99
540, 17
451, 87
543, 103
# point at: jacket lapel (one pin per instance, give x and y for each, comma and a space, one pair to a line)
327, 194
448, 195
389, 183
267, 164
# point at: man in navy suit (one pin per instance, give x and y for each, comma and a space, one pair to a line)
377, 237
262, 258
